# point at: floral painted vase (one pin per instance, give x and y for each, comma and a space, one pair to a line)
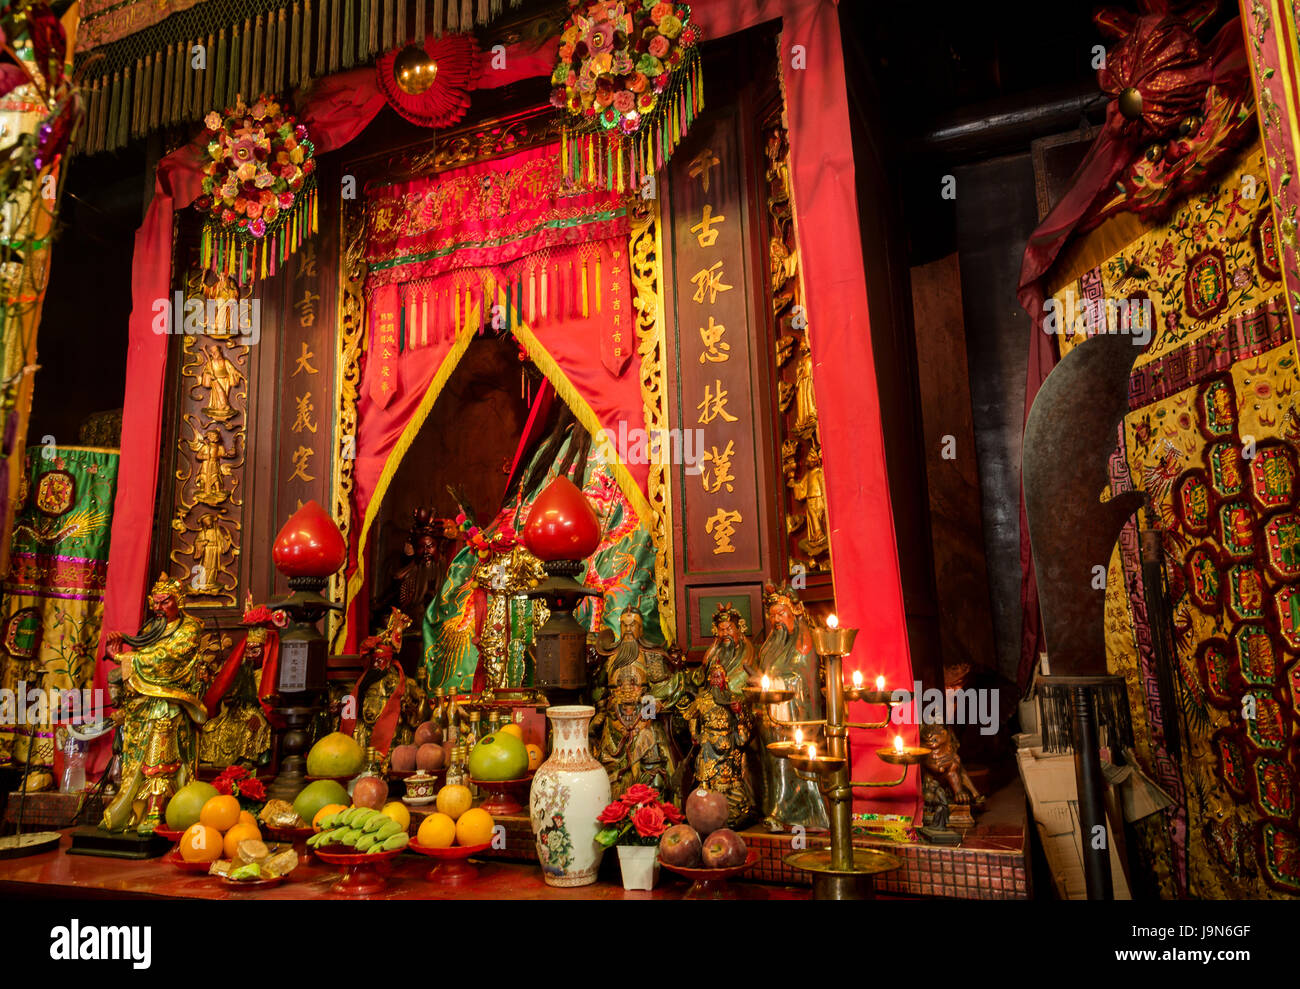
569, 791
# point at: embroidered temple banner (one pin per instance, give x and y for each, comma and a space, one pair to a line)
53, 597
1211, 437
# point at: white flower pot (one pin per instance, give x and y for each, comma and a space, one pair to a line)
569, 791
640, 865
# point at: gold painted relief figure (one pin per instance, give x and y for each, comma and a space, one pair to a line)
639, 690
209, 452
220, 376
805, 403
164, 679
811, 490
210, 542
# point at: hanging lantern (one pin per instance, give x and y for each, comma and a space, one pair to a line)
259, 189
629, 86
429, 84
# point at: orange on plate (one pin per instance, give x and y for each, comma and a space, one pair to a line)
535, 756
436, 831
240, 832
325, 812
246, 817
454, 800
201, 843
221, 812
474, 827
513, 728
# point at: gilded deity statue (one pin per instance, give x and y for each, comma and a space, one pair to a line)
381, 688
720, 725
211, 540
240, 732
788, 659
163, 680
511, 617
220, 377
640, 689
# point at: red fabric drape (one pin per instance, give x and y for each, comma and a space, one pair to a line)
863, 547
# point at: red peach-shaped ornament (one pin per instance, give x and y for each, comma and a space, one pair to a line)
309, 545
562, 524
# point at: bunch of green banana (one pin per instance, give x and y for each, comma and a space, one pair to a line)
361, 828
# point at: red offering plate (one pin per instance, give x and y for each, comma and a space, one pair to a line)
174, 858
173, 836
295, 836
453, 866
361, 873
711, 884
503, 795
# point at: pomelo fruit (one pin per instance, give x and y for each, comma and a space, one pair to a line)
316, 795
500, 756
184, 807
336, 755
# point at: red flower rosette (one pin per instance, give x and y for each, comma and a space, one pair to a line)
614, 813
639, 793
649, 821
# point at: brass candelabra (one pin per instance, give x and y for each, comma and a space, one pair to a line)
840, 872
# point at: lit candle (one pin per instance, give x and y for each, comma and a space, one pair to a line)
898, 744
766, 683
880, 683
798, 736
832, 622
857, 679
812, 752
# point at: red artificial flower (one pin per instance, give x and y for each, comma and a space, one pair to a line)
252, 790
639, 793
614, 813
234, 773
672, 813
649, 822
222, 785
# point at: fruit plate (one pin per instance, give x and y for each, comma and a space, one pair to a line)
711, 883
297, 837
453, 867
363, 873
162, 831
503, 795
266, 883
174, 858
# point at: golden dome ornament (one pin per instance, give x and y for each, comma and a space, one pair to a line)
414, 70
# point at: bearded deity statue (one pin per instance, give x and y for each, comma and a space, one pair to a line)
788, 659
163, 682
381, 688
240, 731
720, 725
640, 689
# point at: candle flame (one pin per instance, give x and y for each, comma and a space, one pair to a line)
898, 744
766, 683
798, 736
880, 683
857, 679
832, 622
812, 752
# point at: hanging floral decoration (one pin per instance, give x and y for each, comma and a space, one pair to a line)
628, 78
259, 189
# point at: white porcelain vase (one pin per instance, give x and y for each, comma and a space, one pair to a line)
640, 865
569, 791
